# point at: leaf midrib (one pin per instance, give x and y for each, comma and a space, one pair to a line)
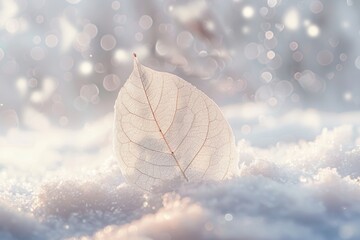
157, 123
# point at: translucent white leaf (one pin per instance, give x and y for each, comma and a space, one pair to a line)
166, 129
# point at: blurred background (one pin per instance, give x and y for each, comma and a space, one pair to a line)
68, 59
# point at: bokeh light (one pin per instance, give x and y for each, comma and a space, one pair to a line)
65, 61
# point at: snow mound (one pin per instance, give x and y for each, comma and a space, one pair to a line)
309, 189
252, 207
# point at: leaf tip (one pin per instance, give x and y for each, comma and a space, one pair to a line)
136, 61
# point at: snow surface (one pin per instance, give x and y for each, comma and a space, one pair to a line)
58, 184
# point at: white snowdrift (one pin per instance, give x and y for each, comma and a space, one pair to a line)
58, 184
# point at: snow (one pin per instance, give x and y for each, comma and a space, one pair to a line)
69, 186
